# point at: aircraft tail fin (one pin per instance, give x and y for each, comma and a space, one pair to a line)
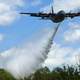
52, 10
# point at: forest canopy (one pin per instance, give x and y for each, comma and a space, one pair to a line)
58, 73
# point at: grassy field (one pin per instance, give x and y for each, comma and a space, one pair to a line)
59, 73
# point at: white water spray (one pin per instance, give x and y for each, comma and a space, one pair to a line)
23, 61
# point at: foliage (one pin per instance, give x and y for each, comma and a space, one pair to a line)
59, 73
64, 73
4, 75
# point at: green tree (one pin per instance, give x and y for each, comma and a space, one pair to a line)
4, 75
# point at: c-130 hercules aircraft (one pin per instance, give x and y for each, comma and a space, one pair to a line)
54, 17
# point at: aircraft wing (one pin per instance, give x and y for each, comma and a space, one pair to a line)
72, 15
37, 14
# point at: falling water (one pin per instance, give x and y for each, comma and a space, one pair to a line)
23, 61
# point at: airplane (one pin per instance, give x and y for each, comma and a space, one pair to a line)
54, 17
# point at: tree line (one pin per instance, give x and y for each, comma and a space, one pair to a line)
58, 73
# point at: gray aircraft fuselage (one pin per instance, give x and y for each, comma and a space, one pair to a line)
58, 17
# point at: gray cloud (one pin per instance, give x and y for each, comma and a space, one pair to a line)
67, 5
73, 33
61, 56
8, 11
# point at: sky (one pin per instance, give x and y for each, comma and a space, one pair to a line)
17, 30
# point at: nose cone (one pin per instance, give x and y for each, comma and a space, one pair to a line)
61, 13
59, 17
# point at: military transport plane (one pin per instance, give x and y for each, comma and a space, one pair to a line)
55, 17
